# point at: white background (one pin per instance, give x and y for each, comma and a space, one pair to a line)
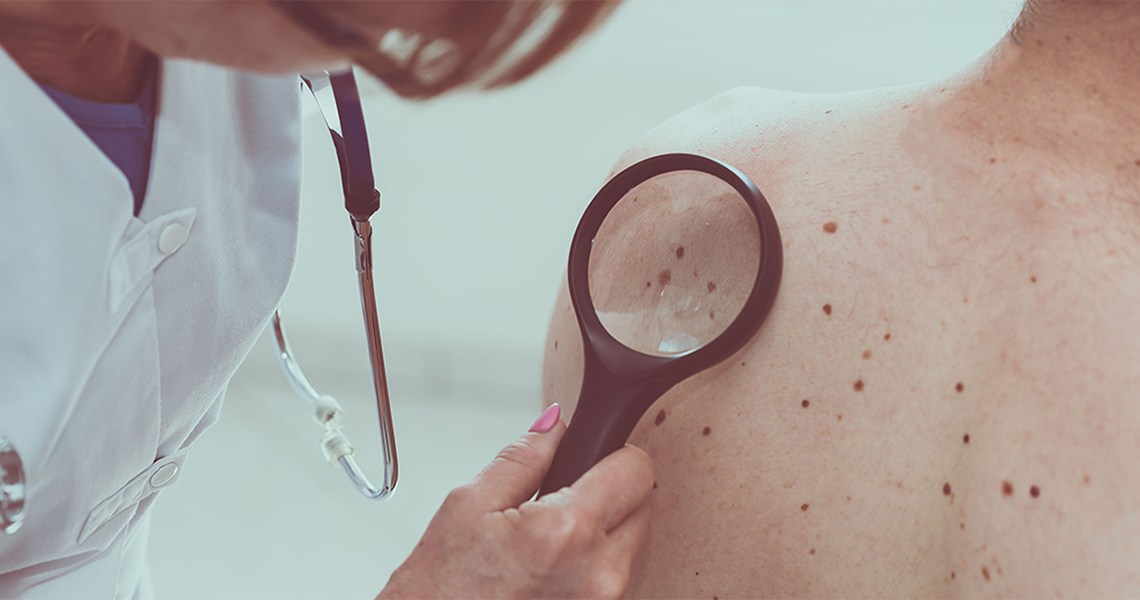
481, 193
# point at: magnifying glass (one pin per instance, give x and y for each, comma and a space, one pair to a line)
673, 268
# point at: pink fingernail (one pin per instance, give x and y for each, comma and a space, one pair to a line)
547, 419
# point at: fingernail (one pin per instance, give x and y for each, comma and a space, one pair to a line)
547, 419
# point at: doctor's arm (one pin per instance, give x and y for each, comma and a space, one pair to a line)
490, 540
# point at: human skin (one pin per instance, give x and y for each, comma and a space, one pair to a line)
980, 280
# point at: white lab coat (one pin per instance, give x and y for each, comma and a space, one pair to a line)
117, 334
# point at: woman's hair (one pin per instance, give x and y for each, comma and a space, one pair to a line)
472, 43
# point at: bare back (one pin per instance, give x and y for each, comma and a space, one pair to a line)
944, 399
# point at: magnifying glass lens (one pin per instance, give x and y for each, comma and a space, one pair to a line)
674, 263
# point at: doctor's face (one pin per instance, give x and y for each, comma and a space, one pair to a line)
419, 48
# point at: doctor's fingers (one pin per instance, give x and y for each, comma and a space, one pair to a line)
611, 490
516, 472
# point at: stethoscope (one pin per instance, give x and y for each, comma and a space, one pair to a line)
638, 342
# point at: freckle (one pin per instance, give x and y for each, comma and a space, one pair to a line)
906, 106
1035, 491
838, 417
993, 160
827, 309
654, 485
965, 300
1006, 488
812, 551
986, 573
952, 575
966, 439
680, 252
664, 277
959, 387
707, 431
961, 525
946, 489
742, 363
885, 221
827, 112
867, 354
830, 227
556, 344
1086, 478
805, 403
1033, 279
803, 507
660, 418
859, 385
1068, 38
711, 286
887, 337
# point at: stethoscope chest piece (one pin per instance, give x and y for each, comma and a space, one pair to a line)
13, 488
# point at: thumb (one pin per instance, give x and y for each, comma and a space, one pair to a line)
514, 475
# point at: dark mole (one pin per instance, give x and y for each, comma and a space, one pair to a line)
993, 160
648, 284
946, 489
1035, 491
986, 573
803, 507
712, 315
712, 287
959, 387
830, 227
707, 431
654, 485
664, 277
1006, 488
859, 385
867, 354
660, 418
1032, 279
680, 252
805, 403
886, 337
827, 309
953, 574
812, 551
966, 439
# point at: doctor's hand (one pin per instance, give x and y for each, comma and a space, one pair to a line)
489, 540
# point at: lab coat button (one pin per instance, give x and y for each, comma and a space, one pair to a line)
163, 475
171, 238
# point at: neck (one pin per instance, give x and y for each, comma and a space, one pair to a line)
1067, 77
60, 49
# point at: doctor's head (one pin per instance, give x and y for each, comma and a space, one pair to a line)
419, 48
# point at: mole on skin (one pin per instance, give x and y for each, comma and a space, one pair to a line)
664, 277
1006, 488
830, 227
966, 439
712, 287
946, 489
859, 385
986, 573
805, 403
680, 252
1035, 491
707, 431
804, 507
827, 309
867, 354
886, 337
959, 387
660, 418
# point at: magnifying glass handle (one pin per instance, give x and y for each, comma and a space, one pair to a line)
602, 422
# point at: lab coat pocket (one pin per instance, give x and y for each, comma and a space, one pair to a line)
161, 474
144, 248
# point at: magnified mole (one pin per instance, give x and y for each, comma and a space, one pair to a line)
660, 418
1006, 488
827, 309
712, 287
680, 252
664, 277
830, 227
859, 385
